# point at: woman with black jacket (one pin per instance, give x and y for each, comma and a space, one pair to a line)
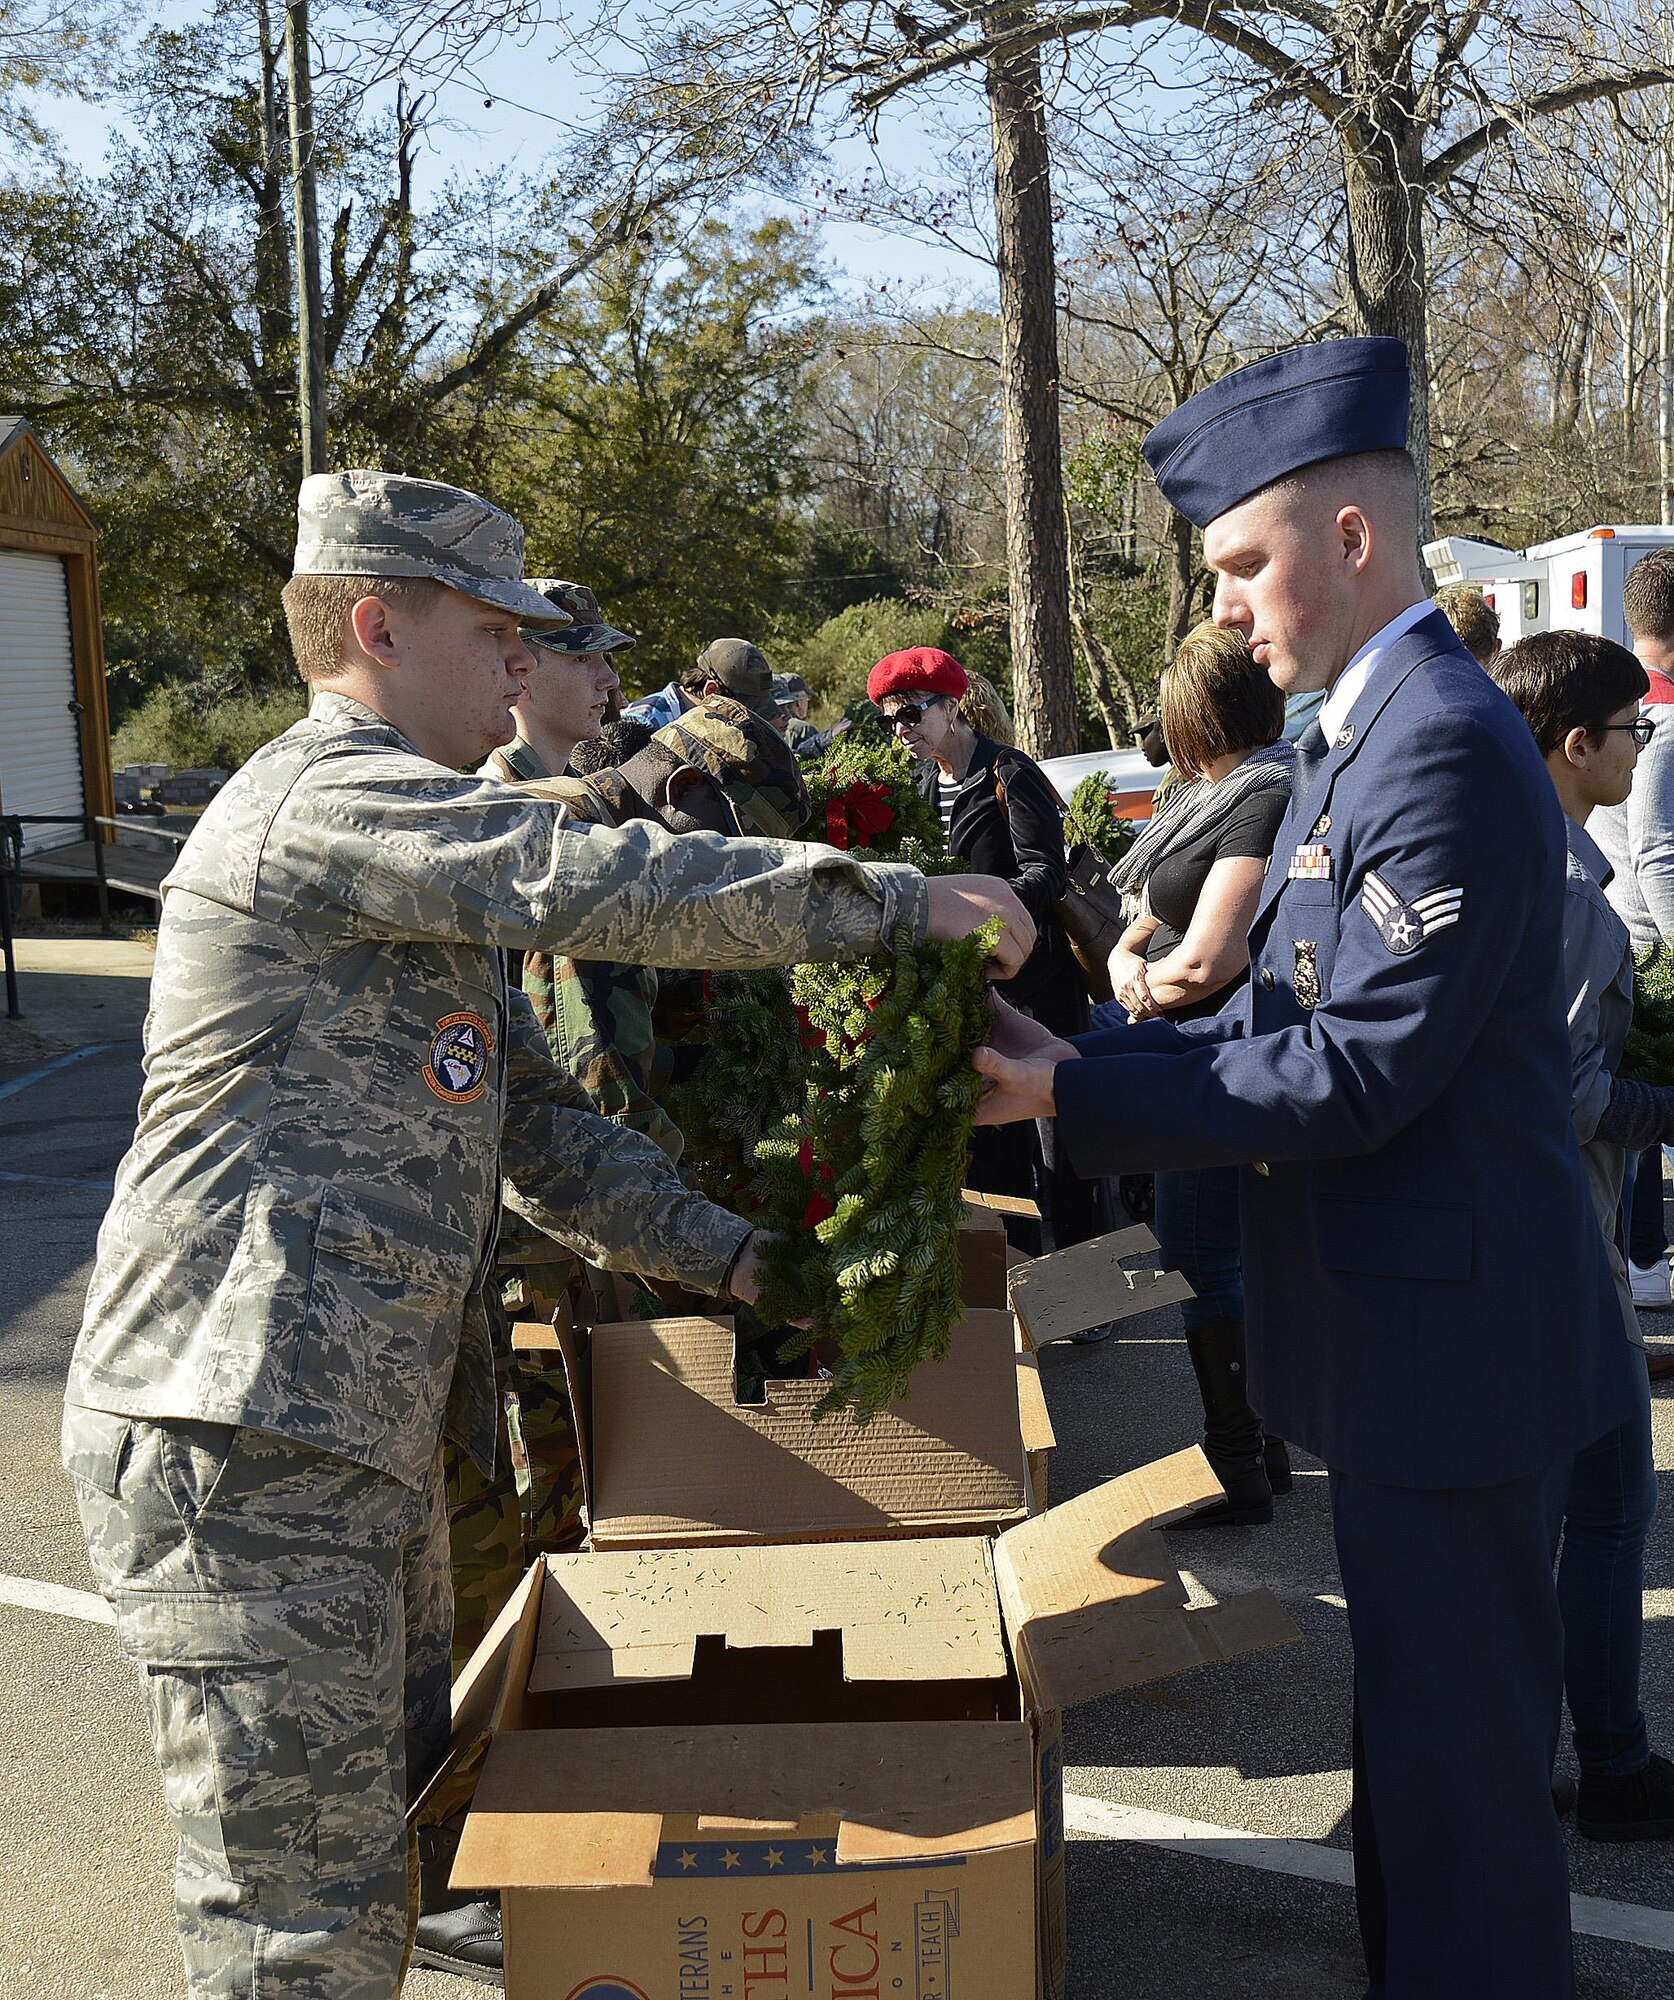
1002, 818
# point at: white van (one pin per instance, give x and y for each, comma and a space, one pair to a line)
1571, 585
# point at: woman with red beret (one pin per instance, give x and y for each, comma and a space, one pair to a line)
1003, 818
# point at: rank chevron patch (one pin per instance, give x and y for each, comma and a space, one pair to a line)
1404, 926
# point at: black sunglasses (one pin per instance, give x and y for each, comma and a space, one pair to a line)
912, 711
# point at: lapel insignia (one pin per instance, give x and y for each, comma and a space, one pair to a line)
1322, 826
1310, 863
1404, 926
1345, 736
1305, 979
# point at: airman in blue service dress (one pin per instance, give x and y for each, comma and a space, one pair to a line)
1430, 1311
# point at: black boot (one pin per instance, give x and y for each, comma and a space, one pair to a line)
1232, 1439
457, 1931
1638, 1807
1276, 1457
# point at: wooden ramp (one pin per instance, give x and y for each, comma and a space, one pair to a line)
138, 870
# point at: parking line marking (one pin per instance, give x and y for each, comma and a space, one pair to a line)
1104, 1819
57, 1598
51, 1069
54, 1180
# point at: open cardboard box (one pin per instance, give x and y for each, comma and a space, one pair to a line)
833, 1769
671, 1458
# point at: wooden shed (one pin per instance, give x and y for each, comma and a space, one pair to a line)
54, 720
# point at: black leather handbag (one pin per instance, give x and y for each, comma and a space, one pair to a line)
1091, 914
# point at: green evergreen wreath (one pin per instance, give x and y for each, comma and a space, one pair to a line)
749, 1078
863, 795
1649, 1054
835, 1108
1091, 820
862, 1184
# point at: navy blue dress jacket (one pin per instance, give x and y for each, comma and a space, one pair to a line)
1426, 1286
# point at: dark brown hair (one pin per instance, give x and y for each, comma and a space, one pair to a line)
1568, 680
1215, 701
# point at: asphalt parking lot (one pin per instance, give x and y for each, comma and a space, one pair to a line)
1208, 1815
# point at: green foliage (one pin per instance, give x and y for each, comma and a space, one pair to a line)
874, 1160
842, 567
1649, 1054
862, 772
601, 360
655, 451
1100, 471
178, 727
747, 1082
1091, 820
835, 659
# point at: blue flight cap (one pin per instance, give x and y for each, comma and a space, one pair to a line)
1273, 417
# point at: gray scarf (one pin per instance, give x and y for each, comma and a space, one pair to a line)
1197, 809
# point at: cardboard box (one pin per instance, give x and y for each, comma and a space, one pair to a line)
671, 1458
982, 1256
757, 1772
1073, 1289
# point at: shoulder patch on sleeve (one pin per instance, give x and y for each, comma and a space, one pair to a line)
1404, 925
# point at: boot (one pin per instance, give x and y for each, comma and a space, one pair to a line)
457, 1932
1232, 1439
1638, 1807
1276, 1457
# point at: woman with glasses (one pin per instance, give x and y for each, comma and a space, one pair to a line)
1002, 817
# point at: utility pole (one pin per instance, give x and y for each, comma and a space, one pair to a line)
310, 308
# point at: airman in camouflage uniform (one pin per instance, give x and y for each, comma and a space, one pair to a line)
290, 1298
597, 1017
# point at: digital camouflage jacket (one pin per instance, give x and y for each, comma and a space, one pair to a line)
337, 1079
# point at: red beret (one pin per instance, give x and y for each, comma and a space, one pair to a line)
919, 670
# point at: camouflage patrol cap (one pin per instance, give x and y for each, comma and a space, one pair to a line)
743, 671
748, 758
587, 631
385, 524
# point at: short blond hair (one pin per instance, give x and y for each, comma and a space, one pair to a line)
1472, 617
983, 709
1216, 701
317, 611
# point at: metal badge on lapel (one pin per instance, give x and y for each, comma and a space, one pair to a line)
1310, 863
1305, 979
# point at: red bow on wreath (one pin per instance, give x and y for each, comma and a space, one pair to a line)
820, 1204
856, 817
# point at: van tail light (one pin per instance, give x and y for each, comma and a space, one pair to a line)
1578, 591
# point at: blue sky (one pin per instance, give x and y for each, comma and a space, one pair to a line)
517, 131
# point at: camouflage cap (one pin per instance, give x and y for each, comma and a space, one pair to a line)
748, 758
743, 671
385, 524
587, 631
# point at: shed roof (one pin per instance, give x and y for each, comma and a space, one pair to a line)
52, 500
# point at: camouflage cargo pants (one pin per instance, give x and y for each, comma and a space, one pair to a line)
290, 1612
531, 1507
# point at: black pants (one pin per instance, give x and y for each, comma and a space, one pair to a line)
1647, 1234
1027, 1160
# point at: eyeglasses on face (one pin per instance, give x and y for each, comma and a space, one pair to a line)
912, 712
1641, 730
